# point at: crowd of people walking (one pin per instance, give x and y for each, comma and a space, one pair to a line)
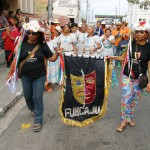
40, 59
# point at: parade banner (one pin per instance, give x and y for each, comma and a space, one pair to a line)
85, 90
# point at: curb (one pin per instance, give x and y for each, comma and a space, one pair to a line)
4, 110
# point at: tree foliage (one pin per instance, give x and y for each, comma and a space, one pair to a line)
134, 1
146, 2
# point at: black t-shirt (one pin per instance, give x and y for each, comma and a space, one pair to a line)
144, 58
34, 67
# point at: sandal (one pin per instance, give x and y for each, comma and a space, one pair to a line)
132, 123
121, 127
37, 127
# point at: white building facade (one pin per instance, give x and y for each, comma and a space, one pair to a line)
137, 13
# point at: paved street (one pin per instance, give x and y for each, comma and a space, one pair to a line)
55, 135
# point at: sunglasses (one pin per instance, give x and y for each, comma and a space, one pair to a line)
141, 31
33, 33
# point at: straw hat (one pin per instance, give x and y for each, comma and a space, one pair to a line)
103, 22
141, 26
58, 28
125, 23
118, 23
56, 21
79, 25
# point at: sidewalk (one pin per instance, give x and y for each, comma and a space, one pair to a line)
2, 56
7, 99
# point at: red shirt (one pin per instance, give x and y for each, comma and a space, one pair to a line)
16, 32
8, 43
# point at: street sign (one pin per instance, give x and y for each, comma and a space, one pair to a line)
66, 11
71, 12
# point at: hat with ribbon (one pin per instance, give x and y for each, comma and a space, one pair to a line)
141, 26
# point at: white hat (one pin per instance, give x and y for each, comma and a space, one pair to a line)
118, 23
103, 22
141, 26
80, 25
56, 21
58, 28
34, 26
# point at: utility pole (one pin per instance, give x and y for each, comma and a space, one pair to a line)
87, 5
92, 15
89, 12
115, 14
119, 8
50, 4
119, 12
131, 13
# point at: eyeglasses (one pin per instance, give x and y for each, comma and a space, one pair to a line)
33, 33
141, 31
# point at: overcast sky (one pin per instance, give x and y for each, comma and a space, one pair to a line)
102, 7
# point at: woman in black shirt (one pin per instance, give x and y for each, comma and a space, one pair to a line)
131, 91
33, 72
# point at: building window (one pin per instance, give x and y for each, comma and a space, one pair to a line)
145, 7
27, 6
141, 6
140, 20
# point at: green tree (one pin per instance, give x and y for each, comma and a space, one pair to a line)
134, 1
146, 2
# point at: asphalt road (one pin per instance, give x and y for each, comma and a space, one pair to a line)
55, 135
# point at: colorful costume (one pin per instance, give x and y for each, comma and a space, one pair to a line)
131, 93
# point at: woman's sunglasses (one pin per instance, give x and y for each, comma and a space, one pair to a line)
141, 31
33, 33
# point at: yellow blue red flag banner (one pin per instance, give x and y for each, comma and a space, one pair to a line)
85, 89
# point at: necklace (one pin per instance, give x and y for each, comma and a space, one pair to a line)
142, 43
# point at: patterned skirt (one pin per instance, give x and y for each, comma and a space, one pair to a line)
131, 94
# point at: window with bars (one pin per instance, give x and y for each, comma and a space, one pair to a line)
27, 6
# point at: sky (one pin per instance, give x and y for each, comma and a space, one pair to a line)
106, 7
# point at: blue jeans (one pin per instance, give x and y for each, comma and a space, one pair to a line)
33, 92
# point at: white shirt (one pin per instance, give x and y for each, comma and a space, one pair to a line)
76, 35
66, 42
91, 42
56, 41
111, 37
51, 45
82, 37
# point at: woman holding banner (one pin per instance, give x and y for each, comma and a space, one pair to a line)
32, 70
136, 63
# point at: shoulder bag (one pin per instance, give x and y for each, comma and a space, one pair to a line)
143, 79
23, 62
